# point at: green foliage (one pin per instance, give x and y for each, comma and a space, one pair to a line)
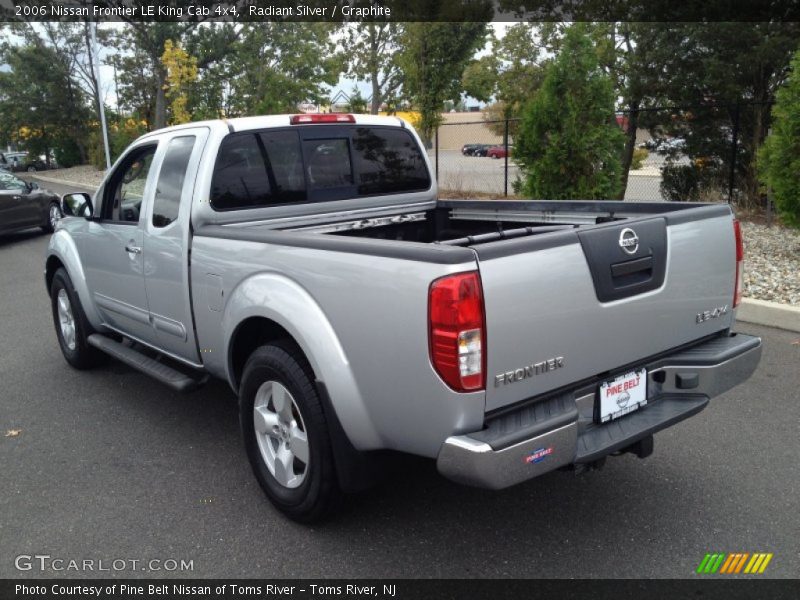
121, 133
680, 183
511, 73
357, 104
67, 153
433, 57
780, 156
639, 156
42, 106
569, 143
276, 66
722, 72
372, 49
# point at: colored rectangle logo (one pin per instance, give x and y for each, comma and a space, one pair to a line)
734, 563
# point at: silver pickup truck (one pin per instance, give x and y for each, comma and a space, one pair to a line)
307, 261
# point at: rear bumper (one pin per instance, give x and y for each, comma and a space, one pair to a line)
560, 430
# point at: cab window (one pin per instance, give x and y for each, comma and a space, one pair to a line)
125, 191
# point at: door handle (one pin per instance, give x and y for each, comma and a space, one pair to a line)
133, 249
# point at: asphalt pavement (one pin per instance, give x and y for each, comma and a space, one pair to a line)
110, 465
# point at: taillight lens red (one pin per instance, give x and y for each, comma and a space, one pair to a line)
457, 332
737, 232
321, 118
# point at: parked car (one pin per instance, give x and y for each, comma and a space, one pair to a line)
498, 151
308, 261
24, 205
662, 145
21, 161
474, 149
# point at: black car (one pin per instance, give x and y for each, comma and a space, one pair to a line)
24, 205
475, 149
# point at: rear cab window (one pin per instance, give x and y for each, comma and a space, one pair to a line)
315, 163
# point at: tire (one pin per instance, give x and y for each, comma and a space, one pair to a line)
306, 491
50, 226
74, 346
31, 169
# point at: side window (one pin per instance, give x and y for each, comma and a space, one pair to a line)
255, 170
388, 161
167, 199
9, 182
125, 192
328, 163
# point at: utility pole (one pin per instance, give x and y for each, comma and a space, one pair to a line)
101, 108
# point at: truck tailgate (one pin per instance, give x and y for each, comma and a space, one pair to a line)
571, 306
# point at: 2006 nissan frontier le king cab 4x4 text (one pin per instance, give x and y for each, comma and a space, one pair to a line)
307, 260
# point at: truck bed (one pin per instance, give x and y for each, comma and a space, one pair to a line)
471, 223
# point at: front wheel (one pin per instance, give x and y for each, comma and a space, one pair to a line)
31, 169
72, 327
286, 434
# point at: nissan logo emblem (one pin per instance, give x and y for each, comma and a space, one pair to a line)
628, 240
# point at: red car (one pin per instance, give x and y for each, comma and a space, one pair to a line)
498, 151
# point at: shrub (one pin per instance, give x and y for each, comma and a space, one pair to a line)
779, 158
569, 144
639, 156
67, 154
680, 183
120, 136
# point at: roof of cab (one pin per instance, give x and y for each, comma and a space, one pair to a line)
267, 121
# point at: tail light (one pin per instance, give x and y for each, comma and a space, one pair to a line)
321, 118
737, 293
457, 332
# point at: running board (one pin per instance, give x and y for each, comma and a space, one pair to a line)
170, 377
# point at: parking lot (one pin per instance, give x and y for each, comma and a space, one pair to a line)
108, 464
460, 174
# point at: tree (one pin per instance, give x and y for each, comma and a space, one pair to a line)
569, 143
433, 58
43, 107
276, 66
779, 163
372, 48
723, 76
142, 75
181, 73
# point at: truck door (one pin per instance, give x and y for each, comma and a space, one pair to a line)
112, 253
167, 242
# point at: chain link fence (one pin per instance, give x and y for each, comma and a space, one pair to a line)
690, 153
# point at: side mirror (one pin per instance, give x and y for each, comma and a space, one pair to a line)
77, 204
32, 185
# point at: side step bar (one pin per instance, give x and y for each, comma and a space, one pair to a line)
173, 378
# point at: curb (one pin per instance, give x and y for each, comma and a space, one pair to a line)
771, 314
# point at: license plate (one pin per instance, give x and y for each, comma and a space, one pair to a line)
622, 395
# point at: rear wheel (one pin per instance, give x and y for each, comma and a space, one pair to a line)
286, 434
72, 328
31, 169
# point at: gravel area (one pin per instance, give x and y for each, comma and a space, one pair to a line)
772, 254
771, 263
86, 175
